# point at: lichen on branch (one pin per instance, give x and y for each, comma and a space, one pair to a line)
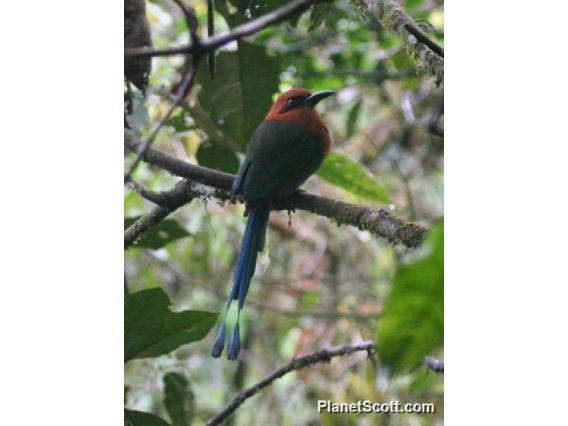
429, 55
378, 222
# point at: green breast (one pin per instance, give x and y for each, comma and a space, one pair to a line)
282, 157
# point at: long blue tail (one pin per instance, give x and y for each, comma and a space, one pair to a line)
253, 242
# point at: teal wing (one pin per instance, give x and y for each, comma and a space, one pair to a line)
280, 159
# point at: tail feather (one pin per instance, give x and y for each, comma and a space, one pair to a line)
253, 242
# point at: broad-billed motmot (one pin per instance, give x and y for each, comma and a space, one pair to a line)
285, 150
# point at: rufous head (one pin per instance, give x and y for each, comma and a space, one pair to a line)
295, 102
296, 107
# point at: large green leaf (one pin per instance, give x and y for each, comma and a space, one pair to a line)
151, 329
139, 418
178, 399
412, 322
348, 174
240, 95
217, 157
156, 237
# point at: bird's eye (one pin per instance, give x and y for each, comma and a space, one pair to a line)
293, 102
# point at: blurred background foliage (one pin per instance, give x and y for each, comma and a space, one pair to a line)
317, 284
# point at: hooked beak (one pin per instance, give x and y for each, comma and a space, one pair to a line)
318, 96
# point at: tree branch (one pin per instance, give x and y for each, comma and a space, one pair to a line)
141, 225
236, 33
211, 33
158, 198
168, 201
418, 44
182, 91
379, 222
324, 355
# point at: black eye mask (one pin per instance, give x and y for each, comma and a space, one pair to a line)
294, 102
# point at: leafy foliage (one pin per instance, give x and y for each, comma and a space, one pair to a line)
241, 92
139, 418
412, 323
340, 170
151, 329
217, 157
178, 398
324, 284
165, 232
318, 14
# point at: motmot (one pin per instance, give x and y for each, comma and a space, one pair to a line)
285, 150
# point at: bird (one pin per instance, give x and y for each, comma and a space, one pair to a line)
285, 150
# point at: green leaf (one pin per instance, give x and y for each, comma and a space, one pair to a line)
240, 95
179, 122
178, 399
353, 117
411, 4
412, 323
318, 14
217, 157
165, 232
151, 329
139, 418
348, 174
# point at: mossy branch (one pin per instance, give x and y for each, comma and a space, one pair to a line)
429, 54
379, 222
323, 356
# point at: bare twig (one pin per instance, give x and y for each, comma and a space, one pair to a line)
190, 20
168, 202
244, 30
184, 90
137, 228
211, 33
433, 364
158, 198
195, 50
379, 222
181, 93
304, 361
